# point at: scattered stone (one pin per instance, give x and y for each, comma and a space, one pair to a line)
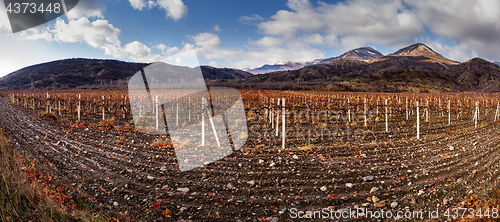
272, 164
115, 204
295, 157
229, 186
323, 188
365, 204
150, 177
413, 201
394, 204
375, 199
420, 192
379, 204
251, 183
183, 189
452, 148
368, 178
350, 185
374, 189
183, 209
261, 161
163, 168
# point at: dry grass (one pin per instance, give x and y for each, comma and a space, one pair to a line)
22, 198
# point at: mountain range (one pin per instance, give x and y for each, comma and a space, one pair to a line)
363, 53
416, 68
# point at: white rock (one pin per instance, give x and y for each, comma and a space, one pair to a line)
183, 189
350, 185
295, 157
251, 182
323, 188
394, 204
375, 199
150, 177
368, 178
374, 189
272, 164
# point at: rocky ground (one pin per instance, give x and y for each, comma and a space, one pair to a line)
135, 176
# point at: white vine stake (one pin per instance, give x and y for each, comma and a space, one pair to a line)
203, 121
283, 135
449, 114
348, 110
476, 115
364, 110
386, 124
277, 118
79, 103
177, 113
103, 110
418, 122
427, 111
406, 108
156, 110
496, 113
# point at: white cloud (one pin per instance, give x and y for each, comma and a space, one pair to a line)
386, 22
473, 26
87, 8
174, 9
268, 41
207, 40
263, 51
251, 19
215, 64
216, 28
138, 4
96, 34
4, 20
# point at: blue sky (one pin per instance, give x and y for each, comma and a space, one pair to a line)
247, 34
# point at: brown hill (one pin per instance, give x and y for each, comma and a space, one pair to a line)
477, 75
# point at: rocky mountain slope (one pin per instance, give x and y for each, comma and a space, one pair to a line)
416, 68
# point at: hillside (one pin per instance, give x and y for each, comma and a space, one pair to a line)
416, 68
91, 73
